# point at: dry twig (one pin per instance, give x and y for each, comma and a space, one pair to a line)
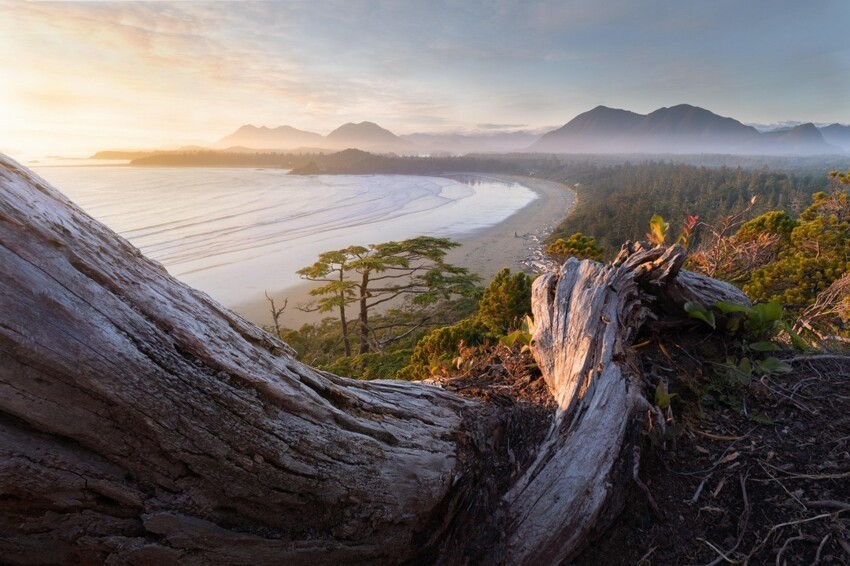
743, 523
789, 541
699, 489
817, 358
642, 486
829, 504
775, 528
820, 548
719, 437
810, 476
782, 485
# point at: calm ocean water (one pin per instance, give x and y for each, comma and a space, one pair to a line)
235, 233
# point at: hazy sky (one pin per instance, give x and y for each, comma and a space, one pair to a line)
79, 76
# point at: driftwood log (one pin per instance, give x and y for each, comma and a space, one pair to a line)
143, 423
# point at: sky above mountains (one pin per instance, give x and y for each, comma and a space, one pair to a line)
81, 76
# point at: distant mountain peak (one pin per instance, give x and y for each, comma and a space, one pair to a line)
263, 137
837, 135
602, 109
803, 139
371, 127
803, 132
808, 127
679, 129
684, 107
367, 136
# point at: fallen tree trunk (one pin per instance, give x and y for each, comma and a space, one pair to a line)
141, 422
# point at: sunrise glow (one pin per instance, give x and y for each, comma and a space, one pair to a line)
80, 76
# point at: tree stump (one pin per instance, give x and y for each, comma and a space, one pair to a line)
143, 423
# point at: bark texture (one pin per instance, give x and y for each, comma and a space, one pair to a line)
586, 317
140, 418
142, 423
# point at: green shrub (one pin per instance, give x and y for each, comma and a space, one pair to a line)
436, 350
371, 365
578, 245
505, 302
817, 253
773, 222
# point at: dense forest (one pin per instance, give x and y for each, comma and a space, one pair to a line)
347, 162
564, 168
615, 202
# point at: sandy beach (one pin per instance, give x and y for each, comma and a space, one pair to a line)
513, 243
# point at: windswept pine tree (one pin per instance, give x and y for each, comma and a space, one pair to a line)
378, 274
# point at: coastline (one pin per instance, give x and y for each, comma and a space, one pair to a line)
514, 243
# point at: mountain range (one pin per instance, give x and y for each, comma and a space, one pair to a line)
685, 129
836, 134
366, 136
681, 129
282, 137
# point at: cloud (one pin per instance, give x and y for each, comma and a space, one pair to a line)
207, 67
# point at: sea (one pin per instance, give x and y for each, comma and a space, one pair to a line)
238, 233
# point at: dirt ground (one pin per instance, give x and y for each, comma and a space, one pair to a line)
751, 475
763, 479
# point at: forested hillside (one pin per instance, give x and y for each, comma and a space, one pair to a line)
615, 202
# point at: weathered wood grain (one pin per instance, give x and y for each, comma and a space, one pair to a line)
143, 423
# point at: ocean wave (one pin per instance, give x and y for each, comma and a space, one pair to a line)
236, 231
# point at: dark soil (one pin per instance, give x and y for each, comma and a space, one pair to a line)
759, 474
746, 474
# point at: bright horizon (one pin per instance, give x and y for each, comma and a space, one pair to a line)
77, 77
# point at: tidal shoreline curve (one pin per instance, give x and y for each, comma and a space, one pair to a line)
514, 243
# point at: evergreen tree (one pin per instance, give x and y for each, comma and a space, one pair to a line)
377, 274
505, 302
578, 245
815, 256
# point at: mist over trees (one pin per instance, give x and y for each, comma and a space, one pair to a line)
615, 202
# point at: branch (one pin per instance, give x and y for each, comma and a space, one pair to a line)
407, 273
403, 291
276, 312
407, 333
